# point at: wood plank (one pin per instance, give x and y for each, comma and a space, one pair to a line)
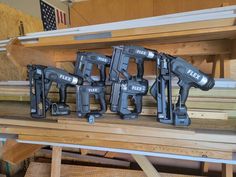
84, 151
146, 166
166, 37
174, 27
56, 161
11, 18
145, 30
133, 146
211, 47
204, 167
43, 170
188, 134
22, 56
110, 154
127, 138
85, 158
19, 152
227, 170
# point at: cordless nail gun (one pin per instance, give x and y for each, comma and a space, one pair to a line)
83, 68
41, 78
124, 85
189, 76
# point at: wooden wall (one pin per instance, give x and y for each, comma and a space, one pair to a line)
10, 20
102, 11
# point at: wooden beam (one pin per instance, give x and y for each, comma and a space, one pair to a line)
85, 158
22, 56
133, 146
56, 161
165, 37
110, 154
227, 170
43, 170
211, 47
167, 141
84, 151
146, 166
204, 167
18, 152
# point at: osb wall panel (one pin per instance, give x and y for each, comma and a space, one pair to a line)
8, 71
10, 20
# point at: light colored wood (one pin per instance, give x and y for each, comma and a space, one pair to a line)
84, 151
165, 37
204, 167
22, 56
143, 31
10, 20
43, 170
227, 170
85, 14
84, 158
151, 131
127, 138
95, 12
211, 47
175, 27
9, 71
6, 145
56, 161
17, 152
133, 146
110, 154
146, 165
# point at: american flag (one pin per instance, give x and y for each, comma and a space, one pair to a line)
52, 17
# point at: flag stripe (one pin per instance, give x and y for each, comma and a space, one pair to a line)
64, 18
58, 18
61, 17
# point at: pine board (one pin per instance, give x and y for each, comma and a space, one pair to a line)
43, 170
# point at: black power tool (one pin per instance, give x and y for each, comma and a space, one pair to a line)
128, 86
91, 87
41, 78
189, 76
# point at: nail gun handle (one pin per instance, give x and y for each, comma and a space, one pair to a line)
103, 104
140, 68
62, 93
138, 104
183, 94
123, 103
102, 69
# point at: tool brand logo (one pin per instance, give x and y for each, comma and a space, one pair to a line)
141, 52
93, 90
193, 74
67, 78
102, 59
137, 88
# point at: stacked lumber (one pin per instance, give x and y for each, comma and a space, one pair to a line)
204, 138
218, 103
44, 169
